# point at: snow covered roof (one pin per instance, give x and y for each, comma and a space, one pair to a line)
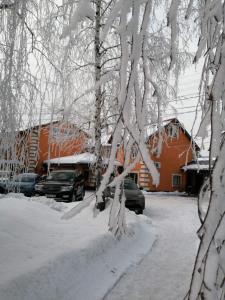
201, 164
154, 129
83, 158
196, 167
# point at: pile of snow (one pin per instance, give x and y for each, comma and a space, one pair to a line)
45, 256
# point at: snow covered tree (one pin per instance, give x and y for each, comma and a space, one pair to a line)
208, 279
126, 48
17, 92
25, 82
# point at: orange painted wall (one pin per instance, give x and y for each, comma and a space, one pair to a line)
52, 148
176, 152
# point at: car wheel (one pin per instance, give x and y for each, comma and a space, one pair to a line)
2, 191
83, 193
74, 197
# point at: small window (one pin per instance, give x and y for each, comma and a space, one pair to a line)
172, 131
134, 152
157, 164
176, 180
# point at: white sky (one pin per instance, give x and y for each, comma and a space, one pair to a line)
187, 101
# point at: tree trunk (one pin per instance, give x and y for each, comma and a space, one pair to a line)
98, 95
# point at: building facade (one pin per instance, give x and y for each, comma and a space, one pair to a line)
177, 149
49, 141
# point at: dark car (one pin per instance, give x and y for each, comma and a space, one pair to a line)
135, 200
63, 185
5, 181
25, 183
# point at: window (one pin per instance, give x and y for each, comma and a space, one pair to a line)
172, 131
55, 132
157, 164
176, 180
134, 152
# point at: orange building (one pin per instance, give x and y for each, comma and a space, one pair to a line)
49, 141
177, 150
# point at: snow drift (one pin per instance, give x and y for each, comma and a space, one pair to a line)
44, 256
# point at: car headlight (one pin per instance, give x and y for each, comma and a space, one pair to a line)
66, 188
38, 187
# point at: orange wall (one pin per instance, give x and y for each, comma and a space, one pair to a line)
176, 152
51, 148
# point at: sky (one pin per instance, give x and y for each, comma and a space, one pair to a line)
187, 101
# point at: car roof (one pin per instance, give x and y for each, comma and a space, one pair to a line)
59, 171
27, 174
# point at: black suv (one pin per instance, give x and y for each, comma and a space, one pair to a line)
63, 185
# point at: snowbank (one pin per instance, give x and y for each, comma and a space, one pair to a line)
43, 256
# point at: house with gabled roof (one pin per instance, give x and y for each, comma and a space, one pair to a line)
48, 141
177, 150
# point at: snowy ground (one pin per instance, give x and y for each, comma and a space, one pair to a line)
58, 251
165, 271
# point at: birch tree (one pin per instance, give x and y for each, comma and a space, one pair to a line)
131, 59
208, 279
17, 92
24, 77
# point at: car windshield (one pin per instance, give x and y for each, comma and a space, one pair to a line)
61, 176
130, 185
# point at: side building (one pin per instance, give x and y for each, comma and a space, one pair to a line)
48, 141
177, 150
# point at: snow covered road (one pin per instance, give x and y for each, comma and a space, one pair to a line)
165, 271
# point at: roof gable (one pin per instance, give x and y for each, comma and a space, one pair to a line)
175, 121
54, 123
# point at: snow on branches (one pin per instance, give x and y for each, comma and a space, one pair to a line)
208, 280
125, 47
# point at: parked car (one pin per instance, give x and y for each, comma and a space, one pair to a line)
135, 199
25, 183
62, 185
5, 181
